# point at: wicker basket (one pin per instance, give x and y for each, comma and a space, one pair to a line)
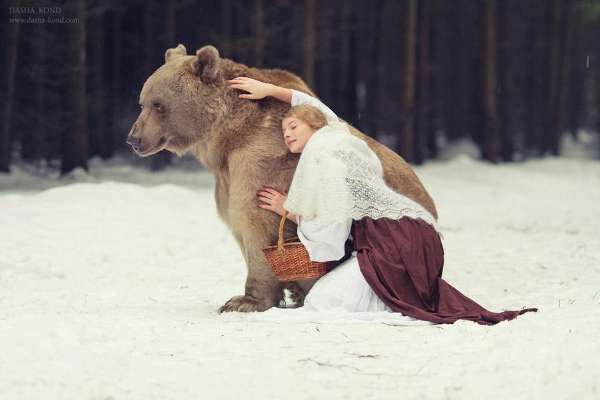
289, 259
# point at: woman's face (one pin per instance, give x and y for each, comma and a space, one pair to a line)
296, 133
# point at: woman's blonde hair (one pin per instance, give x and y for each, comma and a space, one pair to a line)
310, 115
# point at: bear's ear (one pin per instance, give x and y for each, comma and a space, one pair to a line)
206, 64
175, 52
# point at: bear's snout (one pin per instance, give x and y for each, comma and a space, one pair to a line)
135, 142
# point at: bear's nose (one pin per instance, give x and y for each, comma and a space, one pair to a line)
135, 142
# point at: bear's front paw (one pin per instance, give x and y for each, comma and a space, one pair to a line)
244, 304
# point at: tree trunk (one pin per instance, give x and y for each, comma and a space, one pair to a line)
457, 74
390, 93
564, 83
577, 104
32, 137
309, 42
423, 126
12, 43
440, 55
553, 130
408, 102
171, 24
259, 33
490, 135
537, 78
326, 70
507, 98
367, 25
349, 90
75, 139
98, 112
116, 86
40, 98
344, 95
148, 38
225, 49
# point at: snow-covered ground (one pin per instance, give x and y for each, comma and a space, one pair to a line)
109, 285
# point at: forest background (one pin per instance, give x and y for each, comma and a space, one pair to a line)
514, 77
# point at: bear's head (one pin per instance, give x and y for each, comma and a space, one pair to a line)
179, 102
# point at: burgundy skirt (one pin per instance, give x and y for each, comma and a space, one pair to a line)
402, 261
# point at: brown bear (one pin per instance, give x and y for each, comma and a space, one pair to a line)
186, 106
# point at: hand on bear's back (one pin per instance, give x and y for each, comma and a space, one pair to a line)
256, 89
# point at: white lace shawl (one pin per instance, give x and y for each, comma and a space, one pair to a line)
339, 177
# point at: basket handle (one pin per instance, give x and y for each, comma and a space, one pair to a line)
280, 237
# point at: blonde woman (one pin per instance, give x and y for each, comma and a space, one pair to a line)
338, 196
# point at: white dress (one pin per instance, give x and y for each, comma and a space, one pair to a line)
344, 287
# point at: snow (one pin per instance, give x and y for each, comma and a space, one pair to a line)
109, 285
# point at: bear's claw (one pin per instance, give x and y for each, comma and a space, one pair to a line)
243, 304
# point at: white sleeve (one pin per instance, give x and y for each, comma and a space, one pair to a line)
299, 98
324, 242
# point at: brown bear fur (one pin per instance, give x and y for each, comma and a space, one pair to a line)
187, 106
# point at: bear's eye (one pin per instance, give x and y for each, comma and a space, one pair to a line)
157, 105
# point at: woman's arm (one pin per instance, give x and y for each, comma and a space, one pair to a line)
324, 242
299, 98
258, 90
280, 93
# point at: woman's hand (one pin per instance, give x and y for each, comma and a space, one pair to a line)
273, 201
257, 89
